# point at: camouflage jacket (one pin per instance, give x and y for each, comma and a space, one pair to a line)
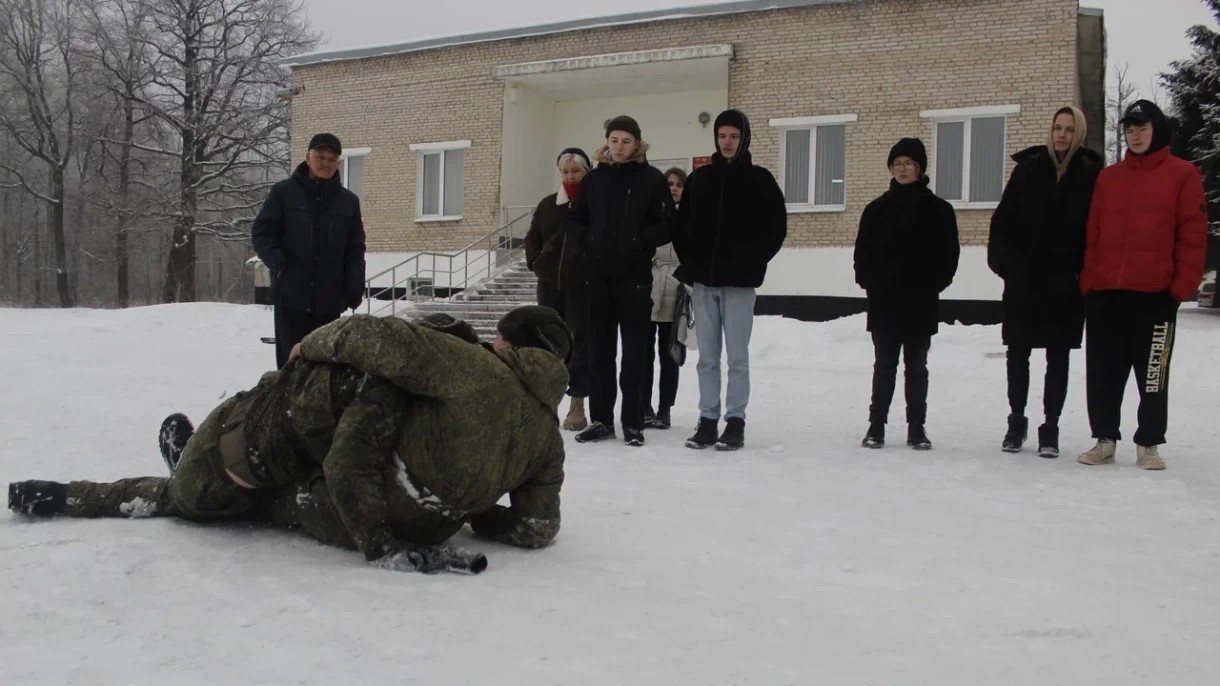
348, 422
481, 423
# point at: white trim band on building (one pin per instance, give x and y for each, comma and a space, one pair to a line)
617, 59
987, 111
825, 120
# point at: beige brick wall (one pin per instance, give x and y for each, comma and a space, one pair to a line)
883, 60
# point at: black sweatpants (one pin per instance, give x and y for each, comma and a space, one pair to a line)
572, 305
659, 332
618, 305
1125, 331
291, 326
885, 377
1054, 393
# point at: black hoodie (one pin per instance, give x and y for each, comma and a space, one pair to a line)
310, 235
732, 219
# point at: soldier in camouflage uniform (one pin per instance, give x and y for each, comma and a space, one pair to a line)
386, 437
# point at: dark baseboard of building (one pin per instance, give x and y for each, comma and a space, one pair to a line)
820, 308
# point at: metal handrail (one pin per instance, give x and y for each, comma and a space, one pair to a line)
499, 249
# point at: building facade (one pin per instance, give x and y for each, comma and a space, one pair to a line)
448, 139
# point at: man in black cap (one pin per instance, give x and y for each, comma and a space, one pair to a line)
310, 236
732, 220
622, 216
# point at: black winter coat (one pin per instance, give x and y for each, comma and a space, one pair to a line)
310, 235
1037, 247
906, 254
732, 220
549, 251
622, 215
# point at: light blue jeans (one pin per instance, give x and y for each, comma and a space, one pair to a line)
723, 314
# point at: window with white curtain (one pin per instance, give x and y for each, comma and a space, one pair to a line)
813, 162
969, 153
441, 172
351, 170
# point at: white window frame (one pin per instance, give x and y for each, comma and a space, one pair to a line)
810, 124
424, 149
966, 115
348, 154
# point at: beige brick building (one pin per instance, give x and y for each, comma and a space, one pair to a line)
451, 137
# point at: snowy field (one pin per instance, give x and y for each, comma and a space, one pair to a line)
802, 559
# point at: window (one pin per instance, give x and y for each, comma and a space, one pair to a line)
813, 160
441, 171
351, 170
969, 154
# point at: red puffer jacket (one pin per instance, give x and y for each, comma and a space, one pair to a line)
1147, 228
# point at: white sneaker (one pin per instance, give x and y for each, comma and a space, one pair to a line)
1147, 457
1102, 453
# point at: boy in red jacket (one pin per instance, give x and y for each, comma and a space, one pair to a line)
1146, 241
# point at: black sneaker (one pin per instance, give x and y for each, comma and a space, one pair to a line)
650, 419
633, 437
38, 497
734, 436
1018, 430
596, 432
705, 434
1048, 441
917, 438
875, 437
662, 420
175, 431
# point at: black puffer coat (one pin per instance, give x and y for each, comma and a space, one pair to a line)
1037, 247
310, 235
906, 254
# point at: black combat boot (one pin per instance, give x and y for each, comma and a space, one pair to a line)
875, 437
175, 431
1048, 440
41, 498
705, 434
1018, 430
734, 436
917, 438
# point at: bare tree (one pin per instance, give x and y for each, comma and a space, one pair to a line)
215, 73
1121, 95
40, 78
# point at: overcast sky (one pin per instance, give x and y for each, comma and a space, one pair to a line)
1147, 34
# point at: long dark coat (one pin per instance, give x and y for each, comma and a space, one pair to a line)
906, 254
1037, 247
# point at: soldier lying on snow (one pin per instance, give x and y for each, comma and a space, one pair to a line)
387, 436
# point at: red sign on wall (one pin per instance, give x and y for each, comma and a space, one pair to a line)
702, 161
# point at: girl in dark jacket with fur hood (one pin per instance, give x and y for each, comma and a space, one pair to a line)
1037, 247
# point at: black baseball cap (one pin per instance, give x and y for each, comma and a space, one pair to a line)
1139, 112
326, 140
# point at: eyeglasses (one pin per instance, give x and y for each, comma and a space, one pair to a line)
903, 165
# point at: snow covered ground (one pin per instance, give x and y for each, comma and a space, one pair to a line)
800, 560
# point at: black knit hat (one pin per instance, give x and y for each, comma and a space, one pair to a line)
326, 140
448, 324
912, 148
535, 326
625, 124
574, 151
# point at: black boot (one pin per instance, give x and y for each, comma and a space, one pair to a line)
917, 438
875, 437
705, 434
596, 432
175, 431
1048, 440
663, 420
1018, 430
38, 497
734, 436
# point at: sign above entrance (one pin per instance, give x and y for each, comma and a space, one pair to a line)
701, 161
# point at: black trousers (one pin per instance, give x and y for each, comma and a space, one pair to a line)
885, 377
659, 333
1125, 331
1055, 389
291, 326
618, 306
572, 305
